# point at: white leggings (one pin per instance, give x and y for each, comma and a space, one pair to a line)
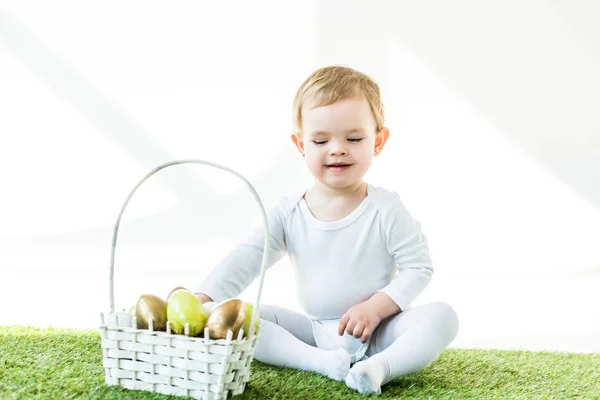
409, 341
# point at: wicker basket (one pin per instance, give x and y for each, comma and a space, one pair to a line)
164, 362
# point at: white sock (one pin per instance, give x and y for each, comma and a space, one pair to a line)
368, 376
337, 364
280, 348
416, 338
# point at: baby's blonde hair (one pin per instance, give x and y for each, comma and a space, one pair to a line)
327, 85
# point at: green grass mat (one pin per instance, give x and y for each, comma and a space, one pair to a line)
66, 364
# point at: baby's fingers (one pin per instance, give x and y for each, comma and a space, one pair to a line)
343, 322
366, 334
358, 330
350, 327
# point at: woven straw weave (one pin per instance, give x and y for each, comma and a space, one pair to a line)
176, 364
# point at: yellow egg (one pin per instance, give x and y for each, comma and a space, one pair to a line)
175, 289
185, 308
249, 309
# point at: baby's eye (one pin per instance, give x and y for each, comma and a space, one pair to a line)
355, 139
319, 141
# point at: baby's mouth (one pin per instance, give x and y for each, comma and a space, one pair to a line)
338, 167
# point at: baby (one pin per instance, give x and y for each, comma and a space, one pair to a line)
358, 256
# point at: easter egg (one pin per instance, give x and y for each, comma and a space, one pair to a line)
151, 307
249, 309
227, 315
185, 308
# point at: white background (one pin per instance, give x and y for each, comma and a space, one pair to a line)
494, 147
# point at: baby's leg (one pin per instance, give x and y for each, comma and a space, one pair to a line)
286, 340
403, 344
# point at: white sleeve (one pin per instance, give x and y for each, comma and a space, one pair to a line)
408, 246
242, 265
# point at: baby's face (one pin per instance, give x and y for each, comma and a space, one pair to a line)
340, 133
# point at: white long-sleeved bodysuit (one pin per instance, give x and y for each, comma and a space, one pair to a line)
377, 247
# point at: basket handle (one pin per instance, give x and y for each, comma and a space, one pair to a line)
176, 162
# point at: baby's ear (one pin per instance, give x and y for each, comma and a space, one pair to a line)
380, 140
297, 139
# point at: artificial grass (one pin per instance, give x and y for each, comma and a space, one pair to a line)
55, 363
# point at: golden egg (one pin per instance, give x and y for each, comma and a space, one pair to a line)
227, 315
151, 307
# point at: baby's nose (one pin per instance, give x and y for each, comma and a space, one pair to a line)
338, 149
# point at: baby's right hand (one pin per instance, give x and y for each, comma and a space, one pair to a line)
203, 298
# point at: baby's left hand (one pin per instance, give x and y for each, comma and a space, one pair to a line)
360, 321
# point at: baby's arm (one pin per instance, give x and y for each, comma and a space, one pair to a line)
410, 250
408, 246
242, 265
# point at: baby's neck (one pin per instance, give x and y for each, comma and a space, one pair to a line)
333, 206
325, 193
